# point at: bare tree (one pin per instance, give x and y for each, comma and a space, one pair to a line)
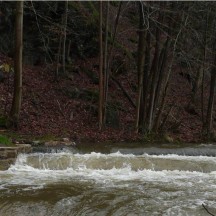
140, 63
101, 78
17, 95
65, 36
105, 64
211, 95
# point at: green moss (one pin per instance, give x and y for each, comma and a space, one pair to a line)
13, 135
46, 137
5, 141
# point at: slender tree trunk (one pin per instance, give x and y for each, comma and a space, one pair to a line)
202, 90
166, 78
211, 95
174, 52
115, 31
154, 72
200, 75
101, 78
208, 128
143, 113
65, 36
140, 64
17, 95
105, 64
160, 95
58, 57
203, 69
161, 70
108, 55
68, 50
195, 88
211, 102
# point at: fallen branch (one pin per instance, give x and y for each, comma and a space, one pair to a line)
124, 91
207, 210
60, 109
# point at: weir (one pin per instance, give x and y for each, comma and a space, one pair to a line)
187, 151
134, 148
8, 155
122, 181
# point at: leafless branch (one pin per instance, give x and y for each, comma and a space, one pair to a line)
42, 34
60, 109
207, 210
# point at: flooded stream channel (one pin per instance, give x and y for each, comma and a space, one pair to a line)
111, 181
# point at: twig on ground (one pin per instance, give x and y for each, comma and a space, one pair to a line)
207, 210
60, 109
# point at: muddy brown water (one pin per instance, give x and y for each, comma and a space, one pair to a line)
111, 180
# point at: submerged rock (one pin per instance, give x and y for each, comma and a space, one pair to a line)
64, 142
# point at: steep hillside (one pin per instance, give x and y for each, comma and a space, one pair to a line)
68, 107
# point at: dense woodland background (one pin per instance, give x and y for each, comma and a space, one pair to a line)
109, 71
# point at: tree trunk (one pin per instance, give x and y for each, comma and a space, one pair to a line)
195, 88
208, 127
105, 64
17, 95
68, 51
203, 68
65, 36
58, 57
101, 87
211, 102
211, 96
167, 75
140, 64
160, 95
143, 113
155, 74
174, 49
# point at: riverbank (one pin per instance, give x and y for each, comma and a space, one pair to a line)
8, 155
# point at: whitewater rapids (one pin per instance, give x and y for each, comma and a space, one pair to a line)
67, 183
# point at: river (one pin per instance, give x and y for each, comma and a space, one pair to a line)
141, 181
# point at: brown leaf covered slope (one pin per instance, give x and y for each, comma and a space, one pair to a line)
48, 110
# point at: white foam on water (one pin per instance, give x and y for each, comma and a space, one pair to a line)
172, 192
21, 173
183, 157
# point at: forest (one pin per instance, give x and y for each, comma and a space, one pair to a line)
108, 70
